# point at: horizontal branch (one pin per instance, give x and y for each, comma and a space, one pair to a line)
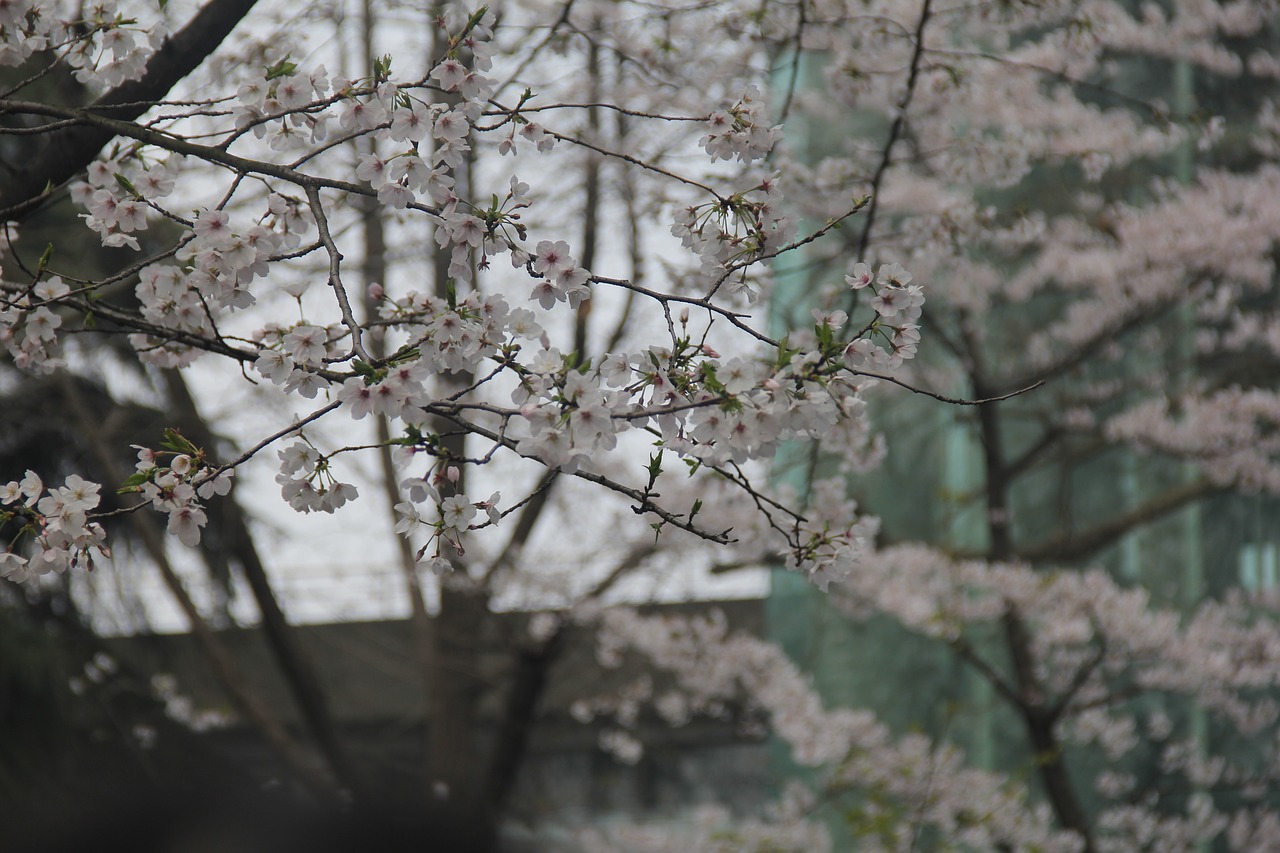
71, 149
179, 145
1070, 547
644, 504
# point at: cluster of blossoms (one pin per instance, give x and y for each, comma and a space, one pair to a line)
1091, 643
477, 234
741, 131
174, 481
1233, 432
290, 357
102, 44
116, 196
55, 522
307, 482
730, 234
567, 409
29, 325
530, 131
462, 366
273, 105
713, 410
454, 514
715, 668
562, 279
567, 414
402, 179
215, 266
785, 827
895, 331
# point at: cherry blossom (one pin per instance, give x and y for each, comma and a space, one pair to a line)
944, 183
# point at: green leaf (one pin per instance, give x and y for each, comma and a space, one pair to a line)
824, 335
44, 260
476, 17
655, 466
709, 379
283, 68
138, 478
127, 185
135, 481
176, 441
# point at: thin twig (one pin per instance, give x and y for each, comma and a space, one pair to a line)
335, 277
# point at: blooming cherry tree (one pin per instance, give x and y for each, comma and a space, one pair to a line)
558, 414
620, 339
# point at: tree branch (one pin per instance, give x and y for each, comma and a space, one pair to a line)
1070, 547
68, 150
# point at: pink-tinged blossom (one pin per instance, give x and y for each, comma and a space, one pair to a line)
306, 344
103, 207
185, 523
456, 513
490, 507
293, 93
213, 228
14, 567
42, 325
860, 277
218, 485
371, 168
299, 494
408, 519
356, 395
475, 87
298, 456
306, 384
362, 115
274, 365
395, 196
451, 126
31, 487
335, 496
538, 135
552, 259
410, 124
449, 74
78, 493
893, 275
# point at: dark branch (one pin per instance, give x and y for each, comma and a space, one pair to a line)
70, 149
